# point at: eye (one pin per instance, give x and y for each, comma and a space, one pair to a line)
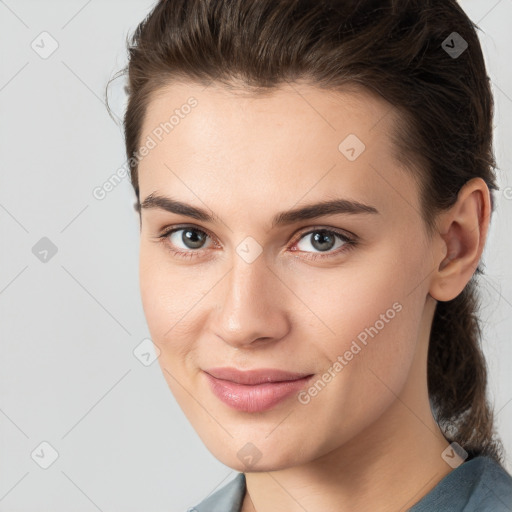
188, 238
324, 240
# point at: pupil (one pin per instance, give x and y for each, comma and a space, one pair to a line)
321, 239
192, 239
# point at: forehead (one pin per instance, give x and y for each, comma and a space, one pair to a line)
284, 143
295, 109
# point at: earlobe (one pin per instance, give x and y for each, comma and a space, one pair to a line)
461, 234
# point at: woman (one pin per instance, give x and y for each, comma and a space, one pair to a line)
314, 185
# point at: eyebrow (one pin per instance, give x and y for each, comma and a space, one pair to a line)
311, 211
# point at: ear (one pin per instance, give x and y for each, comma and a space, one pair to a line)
460, 235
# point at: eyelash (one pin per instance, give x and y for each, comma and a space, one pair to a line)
349, 243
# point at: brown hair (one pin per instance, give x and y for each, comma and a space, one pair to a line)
395, 49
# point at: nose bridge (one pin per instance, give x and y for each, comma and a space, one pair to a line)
250, 305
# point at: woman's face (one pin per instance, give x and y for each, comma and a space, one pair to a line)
239, 287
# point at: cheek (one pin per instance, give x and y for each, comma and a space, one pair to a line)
174, 298
165, 291
164, 298
165, 307
345, 302
155, 295
367, 362
369, 318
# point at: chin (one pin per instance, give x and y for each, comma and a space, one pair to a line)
257, 456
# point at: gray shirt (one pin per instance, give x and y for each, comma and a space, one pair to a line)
478, 485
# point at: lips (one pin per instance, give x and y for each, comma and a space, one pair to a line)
254, 390
251, 377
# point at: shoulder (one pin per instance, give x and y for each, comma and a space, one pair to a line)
492, 489
479, 485
227, 499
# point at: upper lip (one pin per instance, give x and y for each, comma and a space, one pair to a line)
258, 376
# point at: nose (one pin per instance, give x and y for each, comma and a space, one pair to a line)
252, 305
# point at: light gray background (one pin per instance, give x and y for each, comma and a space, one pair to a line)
69, 325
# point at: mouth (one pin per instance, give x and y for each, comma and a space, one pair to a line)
254, 390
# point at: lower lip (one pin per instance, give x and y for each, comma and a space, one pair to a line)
254, 398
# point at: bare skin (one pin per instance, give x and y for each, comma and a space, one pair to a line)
367, 440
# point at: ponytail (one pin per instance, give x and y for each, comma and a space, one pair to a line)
457, 376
